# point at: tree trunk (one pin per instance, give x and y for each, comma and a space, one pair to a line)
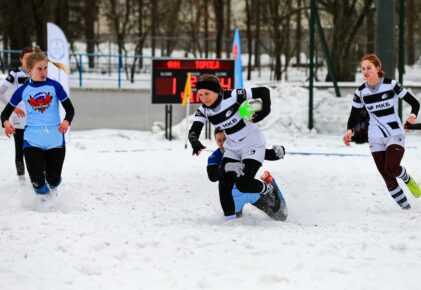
206, 27
218, 6
154, 28
90, 14
298, 35
228, 37
287, 42
410, 31
370, 36
249, 37
257, 18
346, 23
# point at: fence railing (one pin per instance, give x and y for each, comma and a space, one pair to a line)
95, 67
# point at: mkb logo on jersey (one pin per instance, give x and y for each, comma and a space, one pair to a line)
40, 102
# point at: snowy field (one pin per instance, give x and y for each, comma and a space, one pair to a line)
137, 212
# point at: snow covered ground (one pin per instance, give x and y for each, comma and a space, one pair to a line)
137, 212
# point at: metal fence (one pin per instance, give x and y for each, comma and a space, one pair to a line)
118, 69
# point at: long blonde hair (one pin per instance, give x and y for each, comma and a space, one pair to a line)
38, 55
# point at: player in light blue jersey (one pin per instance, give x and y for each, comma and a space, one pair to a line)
44, 143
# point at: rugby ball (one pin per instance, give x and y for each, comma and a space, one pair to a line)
249, 107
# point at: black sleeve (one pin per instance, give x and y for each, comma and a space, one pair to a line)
70, 111
264, 94
194, 131
352, 121
213, 172
5, 115
271, 155
411, 100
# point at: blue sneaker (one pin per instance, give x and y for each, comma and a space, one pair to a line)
43, 190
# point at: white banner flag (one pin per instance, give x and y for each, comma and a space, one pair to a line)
58, 51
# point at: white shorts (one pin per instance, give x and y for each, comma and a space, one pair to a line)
251, 147
380, 144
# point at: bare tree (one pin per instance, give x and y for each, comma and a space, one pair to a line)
228, 44
190, 19
347, 18
277, 19
206, 26
370, 33
218, 7
411, 21
61, 15
90, 11
154, 24
298, 33
43, 12
117, 13
171, 24
249, 36
257, 18
143, 29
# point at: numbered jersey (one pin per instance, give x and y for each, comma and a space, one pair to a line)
381, 103
226, 117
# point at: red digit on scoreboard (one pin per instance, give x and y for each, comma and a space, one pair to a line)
193, 81
174, 86
226, 83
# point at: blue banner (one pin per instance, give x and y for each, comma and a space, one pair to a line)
236, 55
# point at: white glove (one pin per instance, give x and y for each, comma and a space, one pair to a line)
279, 151
236, 167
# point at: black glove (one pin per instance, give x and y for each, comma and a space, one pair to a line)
279, 151
197, 147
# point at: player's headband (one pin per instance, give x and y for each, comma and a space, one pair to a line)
209, 85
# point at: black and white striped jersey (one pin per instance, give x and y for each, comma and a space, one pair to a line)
225, 115
381, 103
15, 79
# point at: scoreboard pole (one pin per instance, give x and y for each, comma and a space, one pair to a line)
168, 122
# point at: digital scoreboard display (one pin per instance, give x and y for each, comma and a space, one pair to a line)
169, 77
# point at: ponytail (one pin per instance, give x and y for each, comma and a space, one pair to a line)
38, 55
59, 65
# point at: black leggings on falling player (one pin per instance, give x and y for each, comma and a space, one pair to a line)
244, 183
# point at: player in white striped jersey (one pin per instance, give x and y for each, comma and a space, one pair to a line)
245, 145
380, 95
14, 80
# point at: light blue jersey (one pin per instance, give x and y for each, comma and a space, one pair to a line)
42, 112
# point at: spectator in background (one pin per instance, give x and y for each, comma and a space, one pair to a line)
16, 78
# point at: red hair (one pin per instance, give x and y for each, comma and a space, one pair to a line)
374, 59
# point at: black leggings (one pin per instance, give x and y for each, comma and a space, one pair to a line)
244, 183
388, 164
44, 165
18, 136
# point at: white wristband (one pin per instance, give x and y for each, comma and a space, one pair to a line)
412, 114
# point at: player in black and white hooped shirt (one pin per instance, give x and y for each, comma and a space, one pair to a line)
14, 80
380, 95
245, 145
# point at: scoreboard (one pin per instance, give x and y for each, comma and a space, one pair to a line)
169, 77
